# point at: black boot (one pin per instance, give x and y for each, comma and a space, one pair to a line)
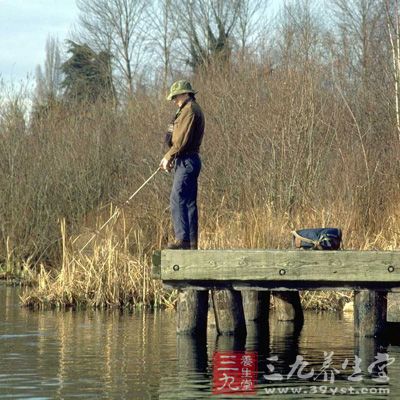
193, 245
179, 245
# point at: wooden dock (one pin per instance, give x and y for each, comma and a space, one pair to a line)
241, 282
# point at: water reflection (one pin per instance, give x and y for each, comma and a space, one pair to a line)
114, 355
193, 374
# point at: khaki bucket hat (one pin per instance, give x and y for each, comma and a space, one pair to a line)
180, 87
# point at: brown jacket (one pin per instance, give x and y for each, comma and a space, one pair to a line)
188, 131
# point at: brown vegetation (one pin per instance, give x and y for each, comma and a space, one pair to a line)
303, 135
280, 152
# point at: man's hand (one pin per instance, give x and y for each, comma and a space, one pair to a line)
165, 165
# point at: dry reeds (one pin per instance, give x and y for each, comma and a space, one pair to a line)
106, 275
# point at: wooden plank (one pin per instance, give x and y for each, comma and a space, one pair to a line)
392, 287
281, 265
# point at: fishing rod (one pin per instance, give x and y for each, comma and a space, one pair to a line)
118, 210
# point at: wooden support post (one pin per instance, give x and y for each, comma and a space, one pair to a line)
288, 306
256, 305
367, 348
370, 308
191, 312
229, 314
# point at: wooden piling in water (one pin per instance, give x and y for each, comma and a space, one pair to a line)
191, 312
256, 305
288, 306
229, 314
370, 309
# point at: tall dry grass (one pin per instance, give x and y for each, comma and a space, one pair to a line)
105, 274
282, 150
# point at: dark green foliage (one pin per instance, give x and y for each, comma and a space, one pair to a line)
87, 74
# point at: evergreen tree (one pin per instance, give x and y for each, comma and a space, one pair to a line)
87, 74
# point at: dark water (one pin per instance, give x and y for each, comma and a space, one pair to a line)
113, 355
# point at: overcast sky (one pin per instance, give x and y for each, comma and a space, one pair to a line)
24, 27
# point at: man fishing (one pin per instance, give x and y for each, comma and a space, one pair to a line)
183, 158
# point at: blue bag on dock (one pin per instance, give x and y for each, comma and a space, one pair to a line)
318, 238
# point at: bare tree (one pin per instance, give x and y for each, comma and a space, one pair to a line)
251, 22
118, 27
206, 28
163, 35
363, 26
358, 22
299, 33
393, 29
48, 81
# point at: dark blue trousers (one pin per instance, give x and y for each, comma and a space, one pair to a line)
183, 198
